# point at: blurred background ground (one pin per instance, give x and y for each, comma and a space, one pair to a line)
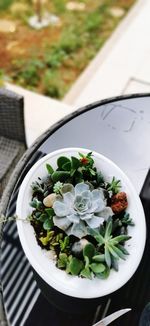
49, 60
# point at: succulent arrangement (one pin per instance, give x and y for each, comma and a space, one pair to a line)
81, 217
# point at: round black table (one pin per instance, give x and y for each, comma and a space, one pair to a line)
118, 128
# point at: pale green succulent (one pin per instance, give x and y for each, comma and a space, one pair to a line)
80, 208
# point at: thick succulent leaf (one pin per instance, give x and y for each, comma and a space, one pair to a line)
67, 187
60, 209
75, 266
74, 218
96, 194
80, 187
89, 251
114, 263
66, 166
108, 230
78, 230
75, 163
87, 262
107, 257
99, 258
95, 222
123, 249
62, 160
68, 199
62, 223
118, 252
119, 238
62, 261
87, 194
86, 273
113, 251
106, 213
60, 176
105, 274
48, 224
92, 232
49, 168
97, 267
86, 217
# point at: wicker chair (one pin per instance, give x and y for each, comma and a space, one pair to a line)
12, 134
12, 147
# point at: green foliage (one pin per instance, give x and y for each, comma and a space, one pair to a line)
75, 266
44, 216
55, 57
93, 21
5, 4
59, 6
61, 176
127, 220
37, 204
57, 187
89, 251
62, 261
64, 244
49, 168
45, 240
114, 186
52, 82
113, 250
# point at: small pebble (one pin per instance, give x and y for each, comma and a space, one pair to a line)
49, 200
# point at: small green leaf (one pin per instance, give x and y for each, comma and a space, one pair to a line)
62, 261
87, 262
66, 166
108, 230
92, 171
35, 203
92, 232
119, 238
123, 249
48, 224
49, 168
67, 187
42, 217
37, 215
118, 252
104, 274
99, 258
75, 163
89, 251
60, 176
114, 263
100, 178
86, 273
99, 239
113, 251
97, 268
81, 155
72, 172
61, 161
50, 212
75, 266
107, 257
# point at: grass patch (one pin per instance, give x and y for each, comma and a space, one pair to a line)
49, 60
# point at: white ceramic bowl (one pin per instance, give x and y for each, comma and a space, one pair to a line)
40, 259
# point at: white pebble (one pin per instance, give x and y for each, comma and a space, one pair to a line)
49, 200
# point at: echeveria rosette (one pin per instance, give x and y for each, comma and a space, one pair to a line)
79, 209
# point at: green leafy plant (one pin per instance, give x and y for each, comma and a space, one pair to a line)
111, 245
114, 186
